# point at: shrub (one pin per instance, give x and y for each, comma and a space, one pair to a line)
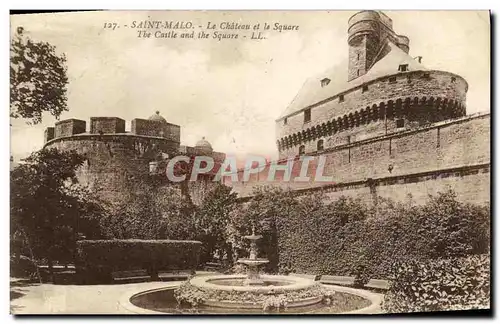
347, 237
22, 267
442, 284
116, 255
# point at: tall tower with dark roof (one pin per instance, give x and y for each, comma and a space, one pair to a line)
368, 33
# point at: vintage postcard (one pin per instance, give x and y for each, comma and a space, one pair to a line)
250, 162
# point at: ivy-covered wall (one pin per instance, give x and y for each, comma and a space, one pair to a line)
347, 237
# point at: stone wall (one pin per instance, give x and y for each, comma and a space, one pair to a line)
411, 85
148, 127
457, 146
117, 165
107, 125
69, 127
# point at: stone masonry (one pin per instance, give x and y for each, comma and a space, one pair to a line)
390, 128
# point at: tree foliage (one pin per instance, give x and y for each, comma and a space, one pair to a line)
310, 234
212, 221
49, 208
37, 79
455, 283
267, 206
152, 213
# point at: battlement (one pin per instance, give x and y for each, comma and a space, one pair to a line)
107, 125
155, 128
69, 127
113, 125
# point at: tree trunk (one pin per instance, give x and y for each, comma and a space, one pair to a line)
51, 270
32, 257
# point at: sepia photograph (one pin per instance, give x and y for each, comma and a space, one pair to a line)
250, 162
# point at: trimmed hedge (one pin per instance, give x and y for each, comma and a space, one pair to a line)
439, 285
98, 258
348, 238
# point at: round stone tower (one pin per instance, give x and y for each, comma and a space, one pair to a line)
117, 162
367, 32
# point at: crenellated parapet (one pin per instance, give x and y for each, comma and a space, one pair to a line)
413, 98
113, 126
119, 163
386, 116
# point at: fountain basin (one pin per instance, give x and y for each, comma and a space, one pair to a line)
162, 301
253, 262
253, 237
271, 293
235, 283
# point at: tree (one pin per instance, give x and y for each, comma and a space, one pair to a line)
268, 206
50, 208
152, 213
212, 221
37, 79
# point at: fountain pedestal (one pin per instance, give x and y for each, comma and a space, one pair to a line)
253, 263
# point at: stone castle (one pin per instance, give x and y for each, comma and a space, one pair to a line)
118, 163
389, 128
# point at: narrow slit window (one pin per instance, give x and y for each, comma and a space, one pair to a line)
320, 145
302, 150
307, 115
285, 121
364, 89
341, 98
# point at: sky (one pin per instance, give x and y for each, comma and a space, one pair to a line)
230, 91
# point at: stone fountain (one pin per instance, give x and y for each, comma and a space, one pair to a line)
253, 263
240, 293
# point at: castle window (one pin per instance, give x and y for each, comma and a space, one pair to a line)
364, 89
392, 79
426, 76
358, 56
302, 150
400, 123
285, 121
341, 98
453, 79
320, 145
307, 115
403, 67
358, 72
408, 78
325, 82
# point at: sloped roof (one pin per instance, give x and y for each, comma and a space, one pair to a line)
312, 92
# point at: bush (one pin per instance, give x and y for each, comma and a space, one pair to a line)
104, 256
22, 267
347, 237
443, 284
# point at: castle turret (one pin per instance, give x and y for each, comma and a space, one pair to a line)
367, 34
